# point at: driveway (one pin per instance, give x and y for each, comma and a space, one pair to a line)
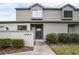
40, 48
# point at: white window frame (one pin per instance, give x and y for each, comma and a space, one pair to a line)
37, 13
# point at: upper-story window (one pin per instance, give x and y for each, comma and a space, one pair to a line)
37, 13
68, 14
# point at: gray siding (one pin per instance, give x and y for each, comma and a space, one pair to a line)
52, 15
55, 28
70, 29
23, 15
48, 15
76, 16
76, 29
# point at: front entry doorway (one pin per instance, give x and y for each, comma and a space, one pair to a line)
38, 30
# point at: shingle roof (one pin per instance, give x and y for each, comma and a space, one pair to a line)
51, 5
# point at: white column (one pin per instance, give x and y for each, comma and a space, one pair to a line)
28, 27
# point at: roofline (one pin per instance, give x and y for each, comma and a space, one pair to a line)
46, 8
22, 8
68, 5
43, 8
36, 5
29, 7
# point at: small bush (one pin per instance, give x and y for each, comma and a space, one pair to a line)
1, 43
5, 42
51, 38
64, 38
17, 43
74, 38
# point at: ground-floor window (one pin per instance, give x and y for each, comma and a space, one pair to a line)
22, 27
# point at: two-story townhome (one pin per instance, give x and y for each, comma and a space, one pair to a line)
44, 20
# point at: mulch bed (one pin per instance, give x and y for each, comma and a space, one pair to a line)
14, 50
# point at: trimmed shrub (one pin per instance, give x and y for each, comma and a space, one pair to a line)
51, 38
5, 42
74, 38
17, 43
64, 38
1, 43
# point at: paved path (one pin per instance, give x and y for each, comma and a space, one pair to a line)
40, 48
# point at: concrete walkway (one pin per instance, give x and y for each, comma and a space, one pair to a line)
40, 48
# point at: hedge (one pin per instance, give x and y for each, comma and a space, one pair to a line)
5, 43
51, 38
74, 38
17, 43
12, 43
62, 38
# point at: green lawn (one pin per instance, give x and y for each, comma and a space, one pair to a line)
65, 49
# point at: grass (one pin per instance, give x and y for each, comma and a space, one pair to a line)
65, 49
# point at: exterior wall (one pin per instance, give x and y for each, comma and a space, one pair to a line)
26, 35
23, 15
70, 29
48, 15
52, 15
55, 28
76, 29
13, 27
26, 15
76, 16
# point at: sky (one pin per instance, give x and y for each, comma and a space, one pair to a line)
8, 12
